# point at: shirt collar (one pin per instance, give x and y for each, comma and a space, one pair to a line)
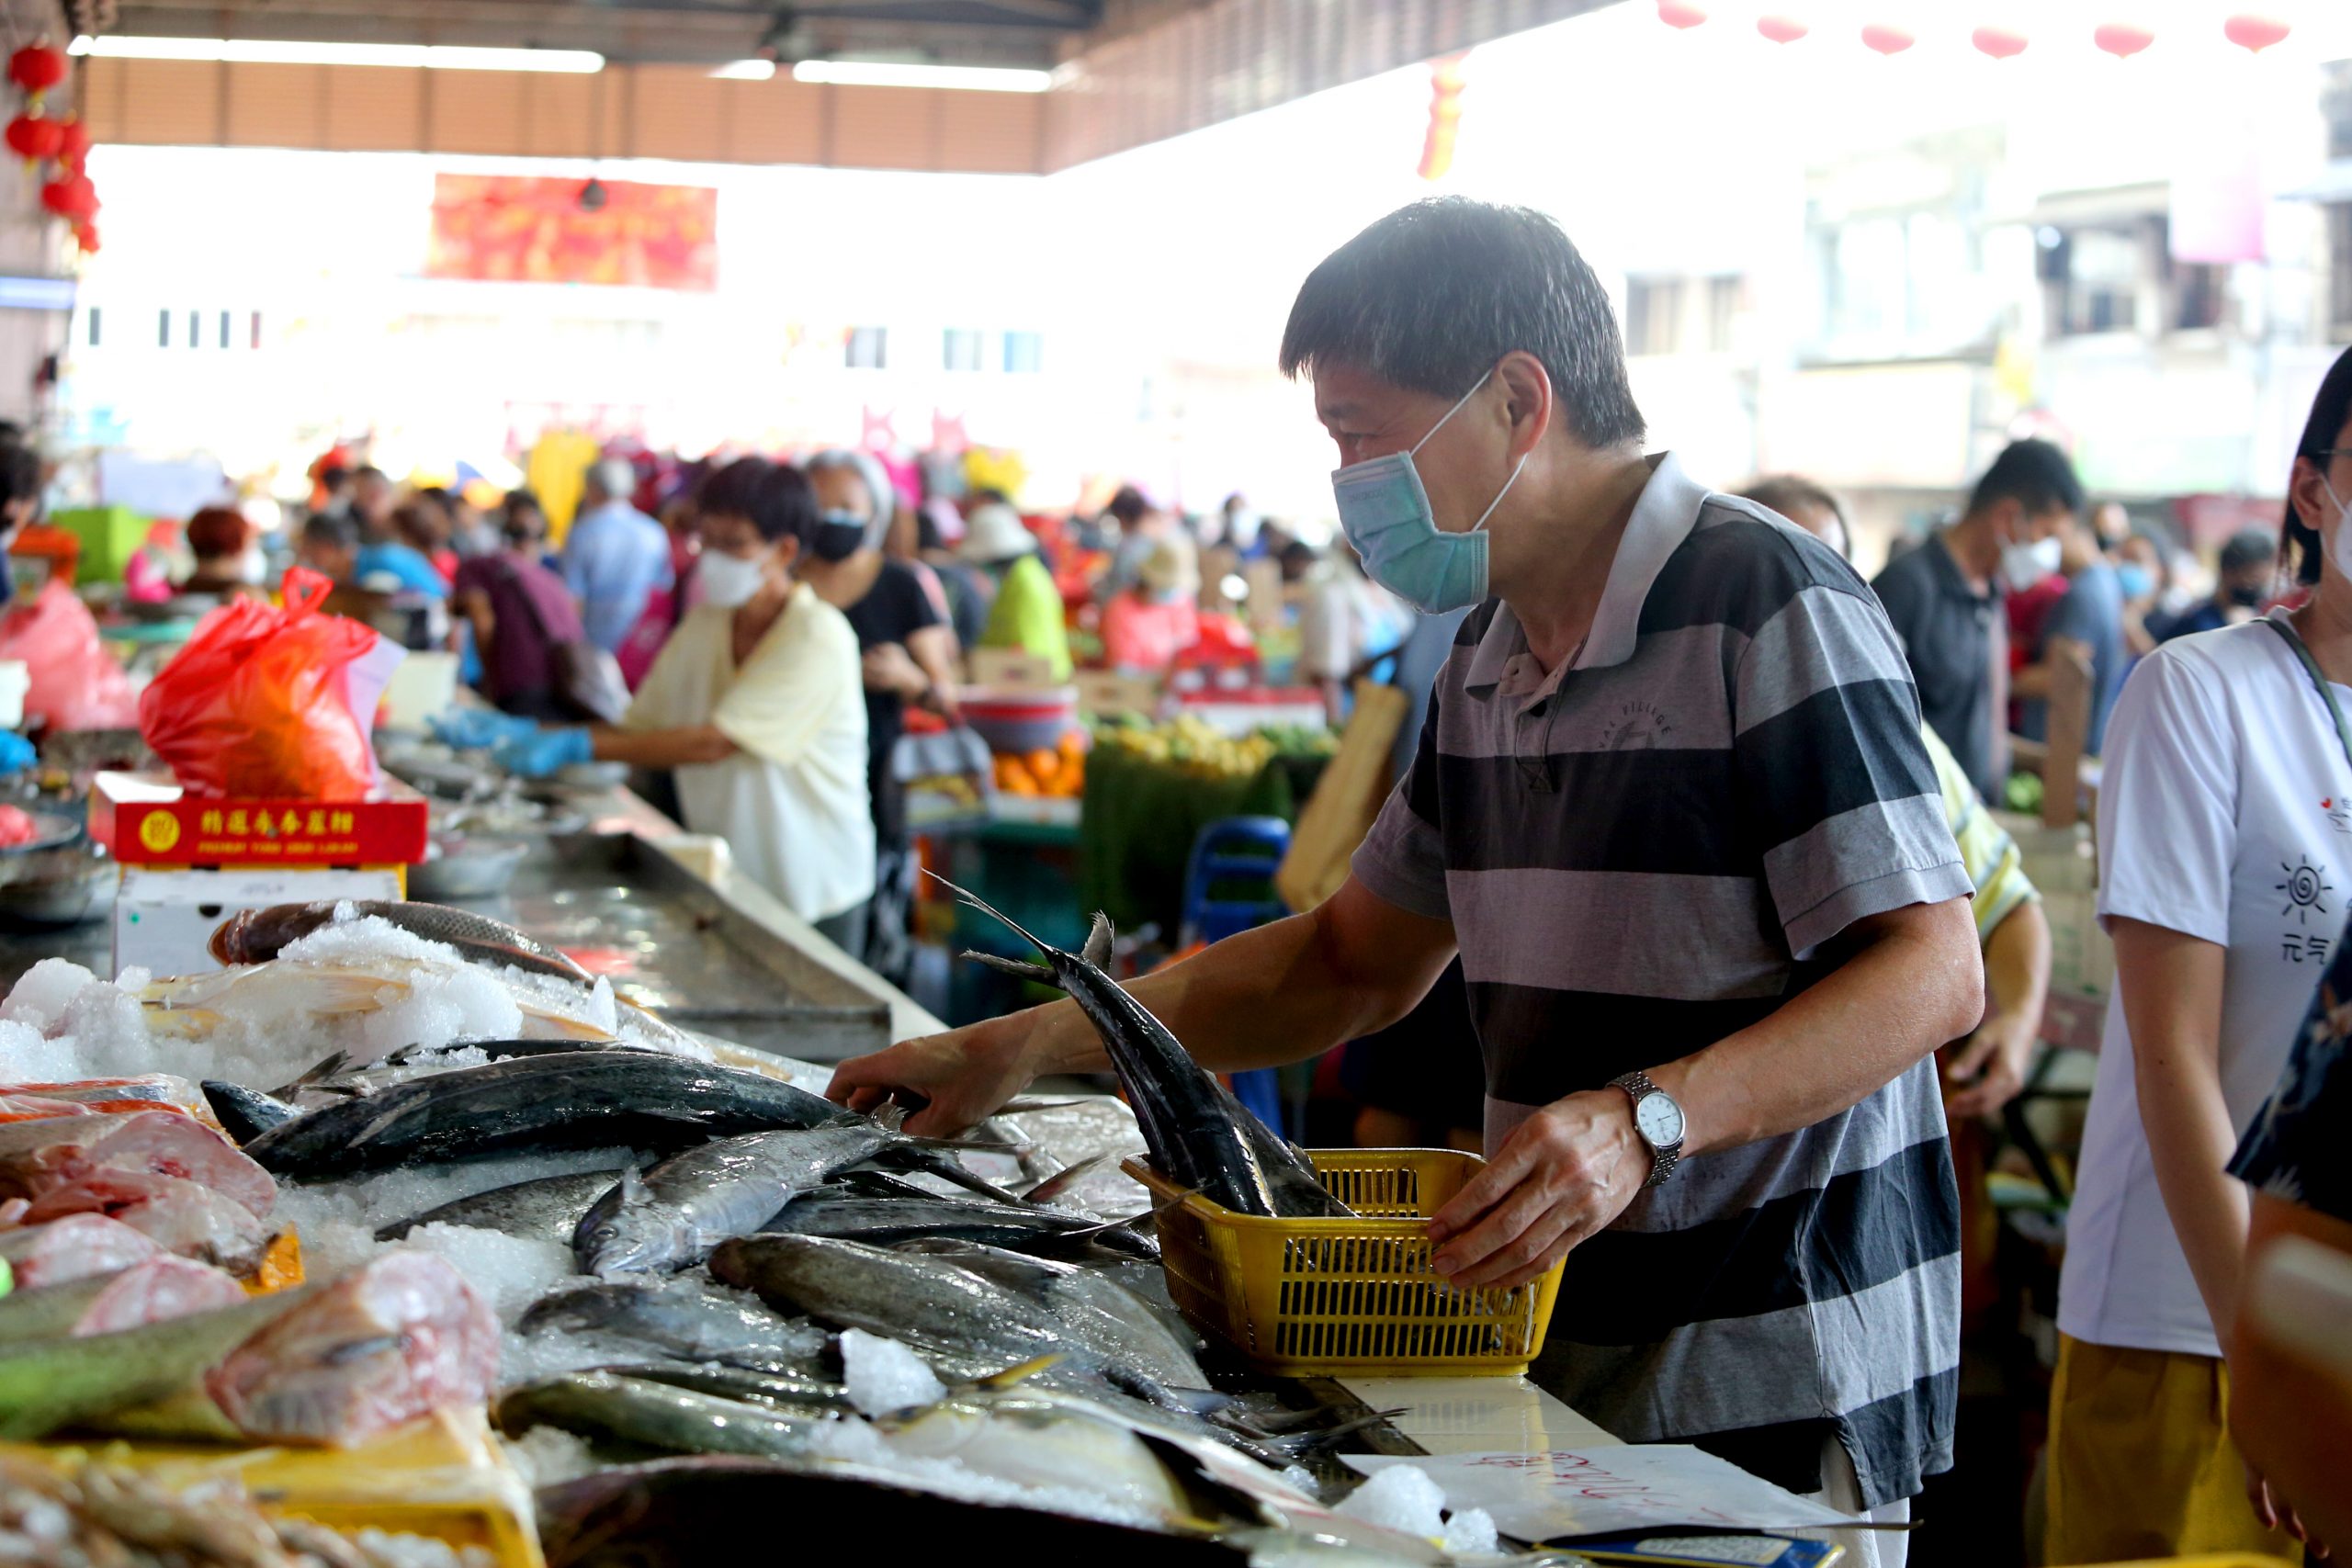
1664, 515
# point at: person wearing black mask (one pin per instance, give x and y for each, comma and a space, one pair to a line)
2244, 578
909, 654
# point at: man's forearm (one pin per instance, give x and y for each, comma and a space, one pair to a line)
2190, 1140
2016, 966
662, 747
1915, 984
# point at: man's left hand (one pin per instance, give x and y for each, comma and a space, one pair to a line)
1987, 1070
1564, 1173
888, 667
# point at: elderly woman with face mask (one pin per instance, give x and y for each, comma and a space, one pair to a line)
753, 702
908, 655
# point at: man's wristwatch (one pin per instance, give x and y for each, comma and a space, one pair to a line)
1659, 1121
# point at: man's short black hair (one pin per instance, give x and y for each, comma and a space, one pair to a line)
370, 471
1128, 506
1431, 297
2248, 550
20, 472
776, 498
333, 476
2034, 474
331, 529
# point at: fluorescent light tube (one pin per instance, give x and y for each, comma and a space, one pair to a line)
276, 51
879, 73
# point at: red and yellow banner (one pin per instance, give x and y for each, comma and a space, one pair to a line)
517, 228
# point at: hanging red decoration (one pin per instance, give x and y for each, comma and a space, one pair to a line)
1781, 30
1679, 14
85, 236
1999, 42
73, 197
2254, 34
2121, 40
1887, 40
38, 67
32, 137
1445, 118
72, 143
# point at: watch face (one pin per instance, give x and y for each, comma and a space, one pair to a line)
1659, 1119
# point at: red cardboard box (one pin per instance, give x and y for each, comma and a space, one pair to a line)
147, 819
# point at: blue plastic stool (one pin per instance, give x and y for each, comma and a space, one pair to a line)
1237, 849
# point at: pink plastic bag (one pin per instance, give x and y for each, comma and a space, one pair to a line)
77, 684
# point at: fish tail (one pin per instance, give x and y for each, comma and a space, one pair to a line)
973, 900
1014, 968
1099, 937
1014, 1376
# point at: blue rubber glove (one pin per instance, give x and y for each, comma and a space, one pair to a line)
477, 730
17, 753
544, 752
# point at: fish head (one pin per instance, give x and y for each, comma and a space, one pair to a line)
399, 1337
227, 943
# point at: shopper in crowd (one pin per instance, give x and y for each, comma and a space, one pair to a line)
372, 500
969, 591
2245, 575
228, 559
2223, 828
521, 615
331, 489
2145, 577
755, 703
1138, 538
1944, 600
1738, 729
2086, 622
1145, 627
422, 525
1026, 614
615, 555
1345, 622
401, 564
520, 515
909, 659
2290, 1362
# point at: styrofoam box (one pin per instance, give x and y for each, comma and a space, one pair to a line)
164, 920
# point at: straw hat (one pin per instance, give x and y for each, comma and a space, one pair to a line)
995, 533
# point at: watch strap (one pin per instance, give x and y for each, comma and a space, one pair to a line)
1664, 1157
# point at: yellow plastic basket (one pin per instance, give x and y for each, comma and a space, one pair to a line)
1309, 1298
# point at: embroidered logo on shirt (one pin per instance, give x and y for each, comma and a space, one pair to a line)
2304, 888
1638, 726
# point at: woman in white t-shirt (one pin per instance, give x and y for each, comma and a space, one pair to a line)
2225, 862
758, 703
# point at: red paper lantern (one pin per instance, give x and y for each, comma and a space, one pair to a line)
73, 197
72, 143
32, 137
1679, 14
2254, 34
1887, 40
1781, 30
2123, 40
38, 67
1999, 42
85, 236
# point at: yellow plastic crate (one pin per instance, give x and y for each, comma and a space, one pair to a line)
1329, 1297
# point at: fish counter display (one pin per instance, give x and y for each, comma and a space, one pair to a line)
687, 1288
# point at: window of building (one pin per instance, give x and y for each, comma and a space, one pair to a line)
196, 329
1653, 315
224, 329
1024, 353
92, 312
1723, 305
2093, 277
868, 347
2335, 107
2339, 264
961, 349
2200, 295
163, 329
253, 333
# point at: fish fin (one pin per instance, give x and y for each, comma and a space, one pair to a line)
1063, 1179
1026, 1105
1013, 1377
1097, 950
973, 901
947, 1168
1013, 967
317, 1075
987, 1146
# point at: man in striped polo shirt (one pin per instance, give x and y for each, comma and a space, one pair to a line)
1671, 806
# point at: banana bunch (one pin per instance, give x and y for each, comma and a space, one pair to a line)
1192, 745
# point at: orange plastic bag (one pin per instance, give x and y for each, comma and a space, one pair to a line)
75, 684
258, 706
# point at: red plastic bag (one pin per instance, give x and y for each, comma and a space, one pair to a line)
77, 684
257, 705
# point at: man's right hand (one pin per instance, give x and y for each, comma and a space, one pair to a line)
951, 1081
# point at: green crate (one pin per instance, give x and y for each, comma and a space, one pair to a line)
111, 535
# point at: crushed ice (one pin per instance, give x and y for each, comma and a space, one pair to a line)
883, 1375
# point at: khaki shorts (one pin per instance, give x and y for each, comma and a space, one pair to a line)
2140, 1464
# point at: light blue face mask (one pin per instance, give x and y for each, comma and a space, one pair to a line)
1387, 515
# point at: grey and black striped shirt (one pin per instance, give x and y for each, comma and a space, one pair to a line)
1641, 853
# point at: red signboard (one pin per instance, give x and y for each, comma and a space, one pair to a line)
146, 820
514, 229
